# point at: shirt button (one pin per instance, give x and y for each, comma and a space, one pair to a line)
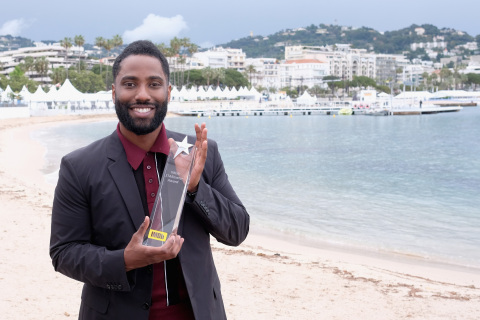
150, 180
152, 194
145, 306
149, 167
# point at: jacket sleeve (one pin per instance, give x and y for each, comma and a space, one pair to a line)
217, 204
72, 246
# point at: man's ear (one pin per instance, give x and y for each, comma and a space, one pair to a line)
169, 91
113, 93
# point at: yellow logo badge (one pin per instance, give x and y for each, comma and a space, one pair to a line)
157, 235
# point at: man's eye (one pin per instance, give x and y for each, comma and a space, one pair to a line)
156, 84
129, 84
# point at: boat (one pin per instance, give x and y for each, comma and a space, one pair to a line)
345, 111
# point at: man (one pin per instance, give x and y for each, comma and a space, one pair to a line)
106, 191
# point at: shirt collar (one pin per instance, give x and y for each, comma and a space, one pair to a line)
135, 154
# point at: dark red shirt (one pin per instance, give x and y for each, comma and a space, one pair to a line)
152, 168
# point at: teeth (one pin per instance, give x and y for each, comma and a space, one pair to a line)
142, 110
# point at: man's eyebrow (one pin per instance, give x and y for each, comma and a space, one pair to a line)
136, 78
129, 78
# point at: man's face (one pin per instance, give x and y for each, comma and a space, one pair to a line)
141, 93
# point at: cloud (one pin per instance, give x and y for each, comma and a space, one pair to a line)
156, 29
13, 27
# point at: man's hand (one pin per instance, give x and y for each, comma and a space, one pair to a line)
200, 157
137, 255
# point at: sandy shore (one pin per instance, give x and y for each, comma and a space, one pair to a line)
264, 278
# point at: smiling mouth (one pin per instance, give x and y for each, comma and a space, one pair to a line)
142, 110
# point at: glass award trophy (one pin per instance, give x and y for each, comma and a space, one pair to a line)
170, 198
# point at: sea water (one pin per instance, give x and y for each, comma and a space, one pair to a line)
403, 184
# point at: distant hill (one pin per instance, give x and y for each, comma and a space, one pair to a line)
272, 46
9, 42
390, 42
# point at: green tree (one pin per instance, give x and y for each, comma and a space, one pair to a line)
18, 79
208, 73
192, 49
175, 45
28, 64
3, 82
67, 44
362, 81
473, 79
79, 42
234, 78
87, 81
333, 82
219, 75
250, 70
107, 45
58, 75
41, 67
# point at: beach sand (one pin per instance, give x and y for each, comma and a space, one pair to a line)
264, 278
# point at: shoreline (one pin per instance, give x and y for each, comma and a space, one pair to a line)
269, 276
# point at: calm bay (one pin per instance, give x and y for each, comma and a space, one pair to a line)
403, 184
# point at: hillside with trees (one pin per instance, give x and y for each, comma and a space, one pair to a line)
390, 42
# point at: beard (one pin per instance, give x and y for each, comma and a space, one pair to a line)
140, 126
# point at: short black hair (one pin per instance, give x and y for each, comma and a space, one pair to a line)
141, 47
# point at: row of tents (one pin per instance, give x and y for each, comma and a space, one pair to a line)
68, 95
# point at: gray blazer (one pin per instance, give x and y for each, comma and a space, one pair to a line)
97, 208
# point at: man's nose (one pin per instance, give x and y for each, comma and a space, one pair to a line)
142, 93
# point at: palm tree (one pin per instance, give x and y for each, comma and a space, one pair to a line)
99, 43
117, 41
192, 49
107, 45
41, 66
79, 42
208, 73
250, 69
219, 75
57, 75
175, 45
67, 44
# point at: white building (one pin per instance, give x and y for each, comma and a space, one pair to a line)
267, 72
56, 55
219, 57
344, 62
303, 72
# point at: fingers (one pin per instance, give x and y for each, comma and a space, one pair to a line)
141, 231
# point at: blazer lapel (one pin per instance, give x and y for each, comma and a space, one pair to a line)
122, 175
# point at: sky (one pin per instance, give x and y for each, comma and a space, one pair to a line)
209, 22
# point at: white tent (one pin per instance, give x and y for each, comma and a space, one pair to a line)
183, 94
25, 94
306, 99
68, 93
38, 99
201, 94
52, 94
421, 95
233, 93
175, 94
210, 94
5, 94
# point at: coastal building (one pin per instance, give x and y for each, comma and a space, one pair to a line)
385, 68
344, 62
303, 72
267, 72
437, 42
56, 55
220, 57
